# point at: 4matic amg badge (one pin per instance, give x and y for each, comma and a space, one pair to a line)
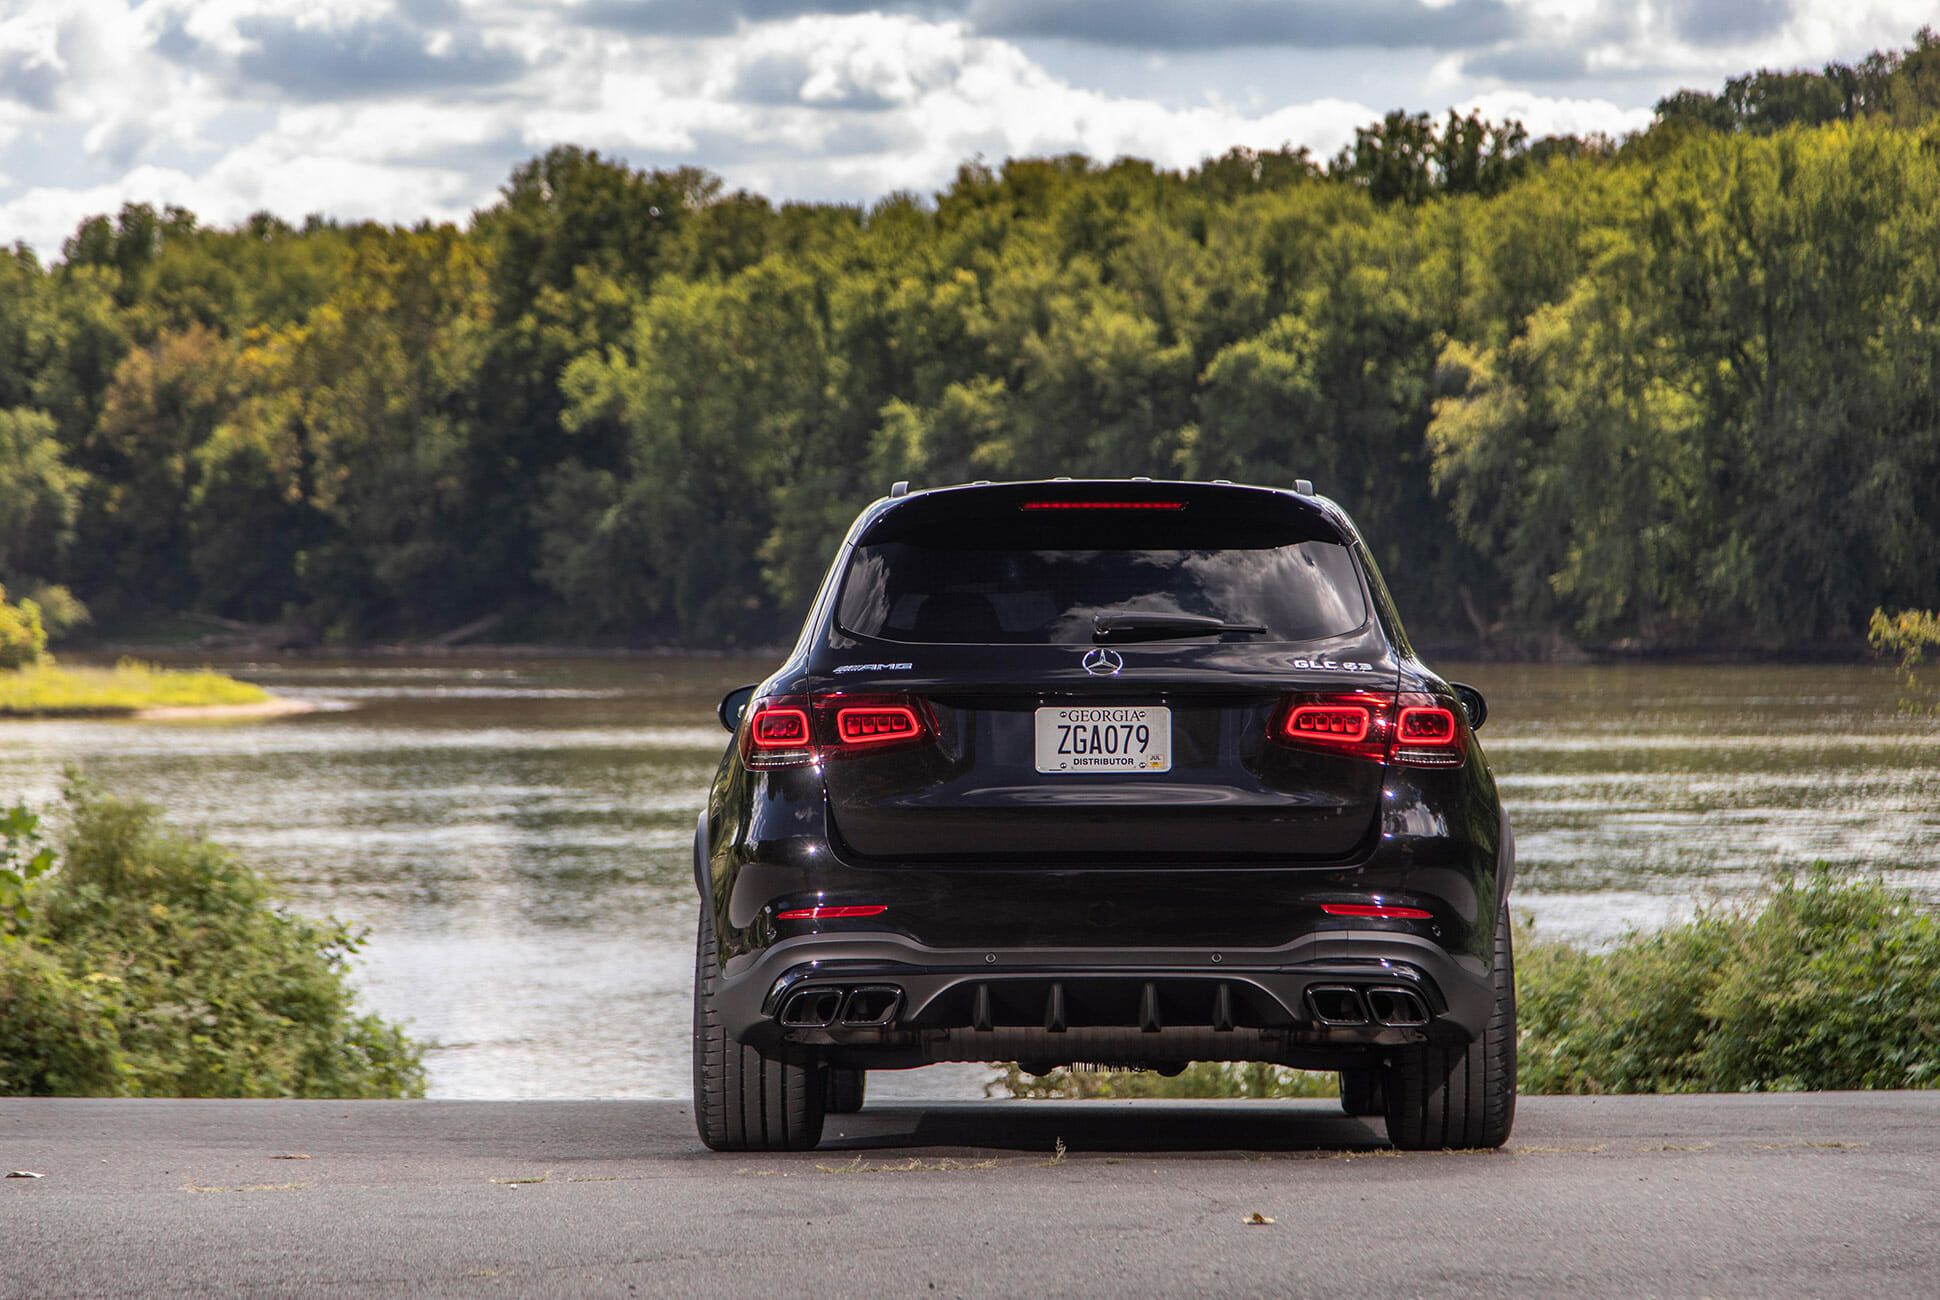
1100, 662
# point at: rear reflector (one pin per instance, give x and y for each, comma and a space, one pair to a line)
1104, 505
843, 912
1377, 911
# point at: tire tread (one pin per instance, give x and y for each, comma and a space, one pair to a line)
743, 1100
1441, 1098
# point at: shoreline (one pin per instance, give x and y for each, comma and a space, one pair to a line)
197, 652
275, 707
1855, 652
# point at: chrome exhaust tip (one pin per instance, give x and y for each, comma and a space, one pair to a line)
871, 1006
1396, 1007
1336, 1004
812, 1008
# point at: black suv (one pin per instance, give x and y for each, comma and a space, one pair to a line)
1121, 772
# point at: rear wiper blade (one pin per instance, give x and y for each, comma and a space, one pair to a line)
1109, 628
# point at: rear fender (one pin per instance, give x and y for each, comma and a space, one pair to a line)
703, 872
1505, 857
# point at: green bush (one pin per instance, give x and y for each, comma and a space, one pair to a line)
57, 1035
153, 963
1832, 983
22, 637
61, 612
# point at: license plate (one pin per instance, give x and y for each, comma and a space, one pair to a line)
1111, 738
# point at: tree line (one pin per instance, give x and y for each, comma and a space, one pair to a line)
1681, 389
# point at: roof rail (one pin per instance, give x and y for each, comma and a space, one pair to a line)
1304, 486
900, 488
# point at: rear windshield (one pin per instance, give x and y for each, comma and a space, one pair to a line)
1038, 581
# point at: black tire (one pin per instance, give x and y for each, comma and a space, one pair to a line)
743, 1100
846, 1088
1464, 1098
1360, 1092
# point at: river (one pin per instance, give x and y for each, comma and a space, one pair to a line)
515, 832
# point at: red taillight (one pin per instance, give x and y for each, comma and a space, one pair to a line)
795, 730
1353, 723
1425, 735
1431, 726
1104, 505
841, 912
1379, 911
876, 723
1345, 723
776, 727
1410, 728
778, 732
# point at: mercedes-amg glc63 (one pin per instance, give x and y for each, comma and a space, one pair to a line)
1121, 772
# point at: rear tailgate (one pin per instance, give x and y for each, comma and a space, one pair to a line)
1228, 791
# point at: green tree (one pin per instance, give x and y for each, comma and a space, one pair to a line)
23, 639
42, 494
164, 402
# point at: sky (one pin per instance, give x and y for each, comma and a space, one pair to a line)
403, 110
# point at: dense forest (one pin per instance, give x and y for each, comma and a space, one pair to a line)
1678, 390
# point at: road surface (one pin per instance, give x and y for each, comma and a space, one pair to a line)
1830, 1194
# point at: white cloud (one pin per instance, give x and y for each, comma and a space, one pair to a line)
405, 109
785, 105
44, 216
1547, 116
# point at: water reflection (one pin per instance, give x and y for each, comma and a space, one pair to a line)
1640, 791
515, 834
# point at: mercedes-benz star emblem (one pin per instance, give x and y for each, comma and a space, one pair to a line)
1100, 662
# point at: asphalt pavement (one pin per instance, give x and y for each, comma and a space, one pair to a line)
1824, 1194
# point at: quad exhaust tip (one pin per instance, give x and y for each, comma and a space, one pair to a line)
812, 1009
1337, 1004
869, 1006
1344, 1004
1396, 1007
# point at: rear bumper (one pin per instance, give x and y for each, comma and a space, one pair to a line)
884, 1000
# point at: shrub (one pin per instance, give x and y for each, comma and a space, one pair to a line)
57, 1039
24, 857
198, 982
1832, 983
22, 638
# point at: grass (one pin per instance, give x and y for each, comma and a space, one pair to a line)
913, 1165
1200, 1079
48, 689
